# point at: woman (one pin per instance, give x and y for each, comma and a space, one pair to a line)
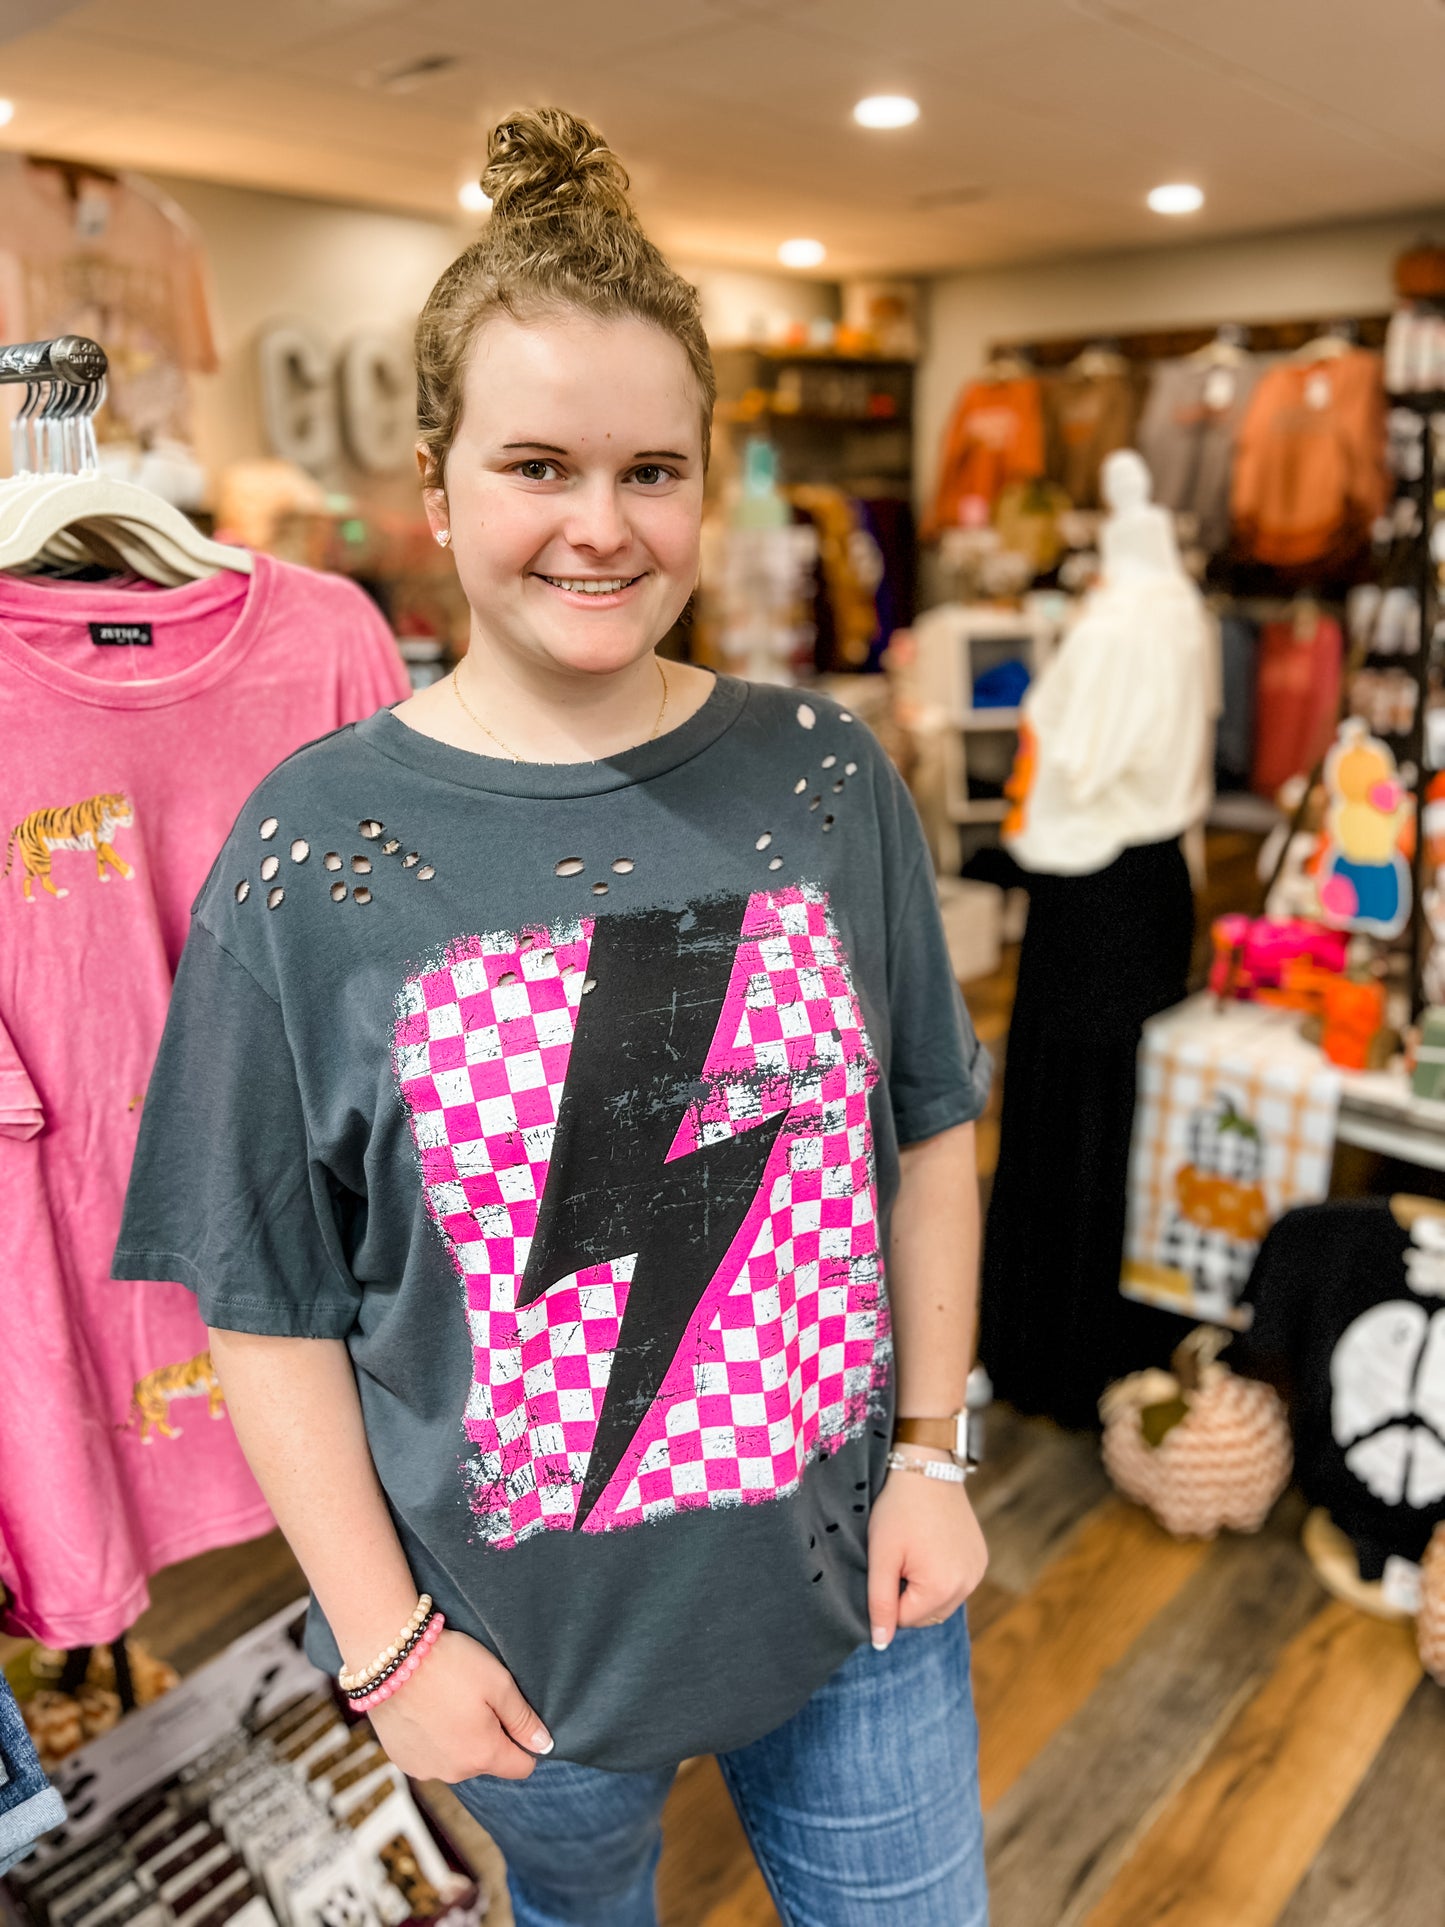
528, 1122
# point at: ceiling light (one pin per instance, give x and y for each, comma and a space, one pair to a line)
886, 110
1177, 197
802, 254
7, 112
472, 198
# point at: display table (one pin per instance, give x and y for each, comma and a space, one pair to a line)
1379, 1112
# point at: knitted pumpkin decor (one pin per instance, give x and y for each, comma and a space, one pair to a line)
1431, 1623
1200, 1447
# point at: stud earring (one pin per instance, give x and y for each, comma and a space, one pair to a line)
444, 536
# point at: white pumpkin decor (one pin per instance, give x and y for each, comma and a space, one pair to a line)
1202, 1448
1430, 1625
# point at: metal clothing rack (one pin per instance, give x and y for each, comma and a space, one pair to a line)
53, 432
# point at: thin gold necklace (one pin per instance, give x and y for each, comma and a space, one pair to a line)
474, 717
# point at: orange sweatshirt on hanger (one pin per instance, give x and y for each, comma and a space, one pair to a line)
1309, 477
995, 436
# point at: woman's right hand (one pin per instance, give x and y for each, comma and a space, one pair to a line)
459, 1715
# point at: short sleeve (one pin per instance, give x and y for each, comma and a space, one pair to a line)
21, 1115
226, 1194
939, 1073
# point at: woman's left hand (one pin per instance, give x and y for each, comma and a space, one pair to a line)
924, 1538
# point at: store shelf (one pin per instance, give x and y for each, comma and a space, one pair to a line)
1379, 1112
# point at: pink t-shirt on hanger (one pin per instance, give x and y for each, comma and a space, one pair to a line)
136, 721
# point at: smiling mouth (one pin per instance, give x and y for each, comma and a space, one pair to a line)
592, 584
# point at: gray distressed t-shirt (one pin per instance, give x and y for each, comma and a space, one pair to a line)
570, 1097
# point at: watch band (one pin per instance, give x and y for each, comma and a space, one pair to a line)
944, 1434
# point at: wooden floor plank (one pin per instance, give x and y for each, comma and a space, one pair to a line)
1038, 1482
1385, 1860
706, 1859
1060, 1835
1038, 1663
197, 1608
1234, 1843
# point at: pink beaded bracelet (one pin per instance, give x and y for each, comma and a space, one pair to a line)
403, 1672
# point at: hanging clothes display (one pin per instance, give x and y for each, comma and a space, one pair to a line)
1093, 407
1310, 476
1297, 694
995, 436
1349, 1321
1187, 435
86, 252
1114, 763
146, 717
1027, 519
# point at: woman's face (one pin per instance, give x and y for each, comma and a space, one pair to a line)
574, 489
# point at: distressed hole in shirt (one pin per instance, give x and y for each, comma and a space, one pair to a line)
269, 827
369, 828
831, 1528
300, 850
861, 1486
410, 860
274, 898
507, 977
764, 840
814, 801
775, 863
829, 761
812, 1541
269, 868
623, 866
837, 786
243, 890
880, 1435
391, 846
816, 1577
807, 715
332, 859
570, 866
361, 865
844, 716
829, 821
339, 893
426, 873
860, 1508
800, 786
599, 889
850, 769
361, 894
590, 985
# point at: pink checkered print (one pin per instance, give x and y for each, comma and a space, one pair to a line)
791, 1340
481, 1048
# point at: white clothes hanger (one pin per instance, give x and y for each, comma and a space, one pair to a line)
60, 507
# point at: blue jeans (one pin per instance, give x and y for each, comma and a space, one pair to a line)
863, 1809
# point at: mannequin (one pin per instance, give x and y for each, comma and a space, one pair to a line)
1116, 750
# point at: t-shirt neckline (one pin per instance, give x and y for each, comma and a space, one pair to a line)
99, 602
391, 737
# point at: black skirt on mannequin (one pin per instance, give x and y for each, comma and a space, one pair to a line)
1101, 954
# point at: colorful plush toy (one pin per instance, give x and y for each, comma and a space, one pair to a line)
1202, 1448
1364, 880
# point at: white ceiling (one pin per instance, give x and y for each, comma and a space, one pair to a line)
1044, 122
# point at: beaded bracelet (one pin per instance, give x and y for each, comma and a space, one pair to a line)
948, 1470
403, 1652
434, 1628
355, 1681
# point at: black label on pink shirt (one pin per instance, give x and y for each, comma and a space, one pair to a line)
130, 635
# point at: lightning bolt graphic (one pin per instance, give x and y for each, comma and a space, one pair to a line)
661, 977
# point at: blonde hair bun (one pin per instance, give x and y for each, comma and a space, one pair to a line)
546, 164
